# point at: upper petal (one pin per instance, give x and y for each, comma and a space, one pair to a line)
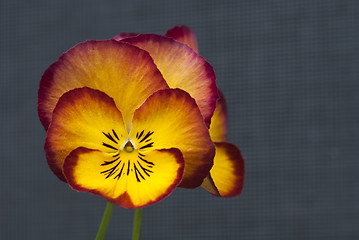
124, 178
227, 173
170, 118
83, 117
124, 72
185, 35
219, 122
182, 68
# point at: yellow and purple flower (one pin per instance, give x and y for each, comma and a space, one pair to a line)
128, 118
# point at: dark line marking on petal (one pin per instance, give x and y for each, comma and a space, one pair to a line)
138, 180
108, 170
108, 135
111, 170
109, 146
119, 175
107, 163
128, 167
148, 140
141, 134
148, 162
114, 133
147, 146
145, 137
142, 155
145, 170
116, 155
138, 171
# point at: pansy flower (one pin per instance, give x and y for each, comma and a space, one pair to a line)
114, 117
116, 129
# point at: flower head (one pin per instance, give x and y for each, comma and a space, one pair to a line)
116, 129
128, 118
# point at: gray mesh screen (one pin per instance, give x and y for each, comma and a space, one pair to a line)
289, 71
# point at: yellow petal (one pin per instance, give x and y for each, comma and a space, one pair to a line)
122, 71
182, 68
125, 179
83, 117
219, 122
227, 172
170, 118
185, 35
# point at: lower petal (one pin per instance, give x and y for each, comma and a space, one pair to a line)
125, 179
227, 173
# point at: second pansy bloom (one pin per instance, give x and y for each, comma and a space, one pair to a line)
226, 178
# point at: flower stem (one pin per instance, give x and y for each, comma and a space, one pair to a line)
105, 220
136, 233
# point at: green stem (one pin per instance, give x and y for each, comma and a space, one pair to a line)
105, 220
136, 233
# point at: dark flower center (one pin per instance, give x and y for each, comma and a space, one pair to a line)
129, 147
121, 165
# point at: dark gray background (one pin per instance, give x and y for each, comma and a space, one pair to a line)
289, 70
